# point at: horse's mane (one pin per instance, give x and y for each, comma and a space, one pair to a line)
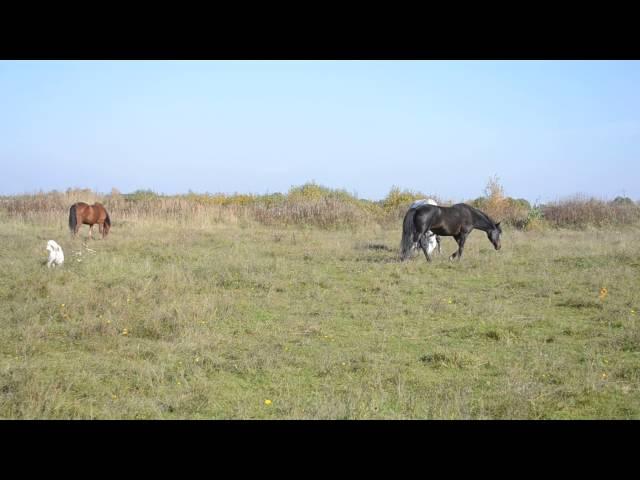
482, 215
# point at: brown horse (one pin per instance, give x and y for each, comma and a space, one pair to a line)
83, 213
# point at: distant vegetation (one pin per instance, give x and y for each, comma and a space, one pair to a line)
580, 211
316, 205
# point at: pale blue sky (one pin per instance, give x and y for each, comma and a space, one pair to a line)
548, 129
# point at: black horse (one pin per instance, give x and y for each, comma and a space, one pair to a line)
457, 221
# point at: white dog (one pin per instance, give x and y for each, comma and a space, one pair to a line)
56, 256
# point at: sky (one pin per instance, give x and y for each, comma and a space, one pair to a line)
546, 129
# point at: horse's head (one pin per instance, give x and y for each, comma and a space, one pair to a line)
494, 236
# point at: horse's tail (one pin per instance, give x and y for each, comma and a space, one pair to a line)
106, 226
73, 219
408, 229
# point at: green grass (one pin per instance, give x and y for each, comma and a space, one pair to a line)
325, 324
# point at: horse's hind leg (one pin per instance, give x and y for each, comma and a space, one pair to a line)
420, 234
424, 245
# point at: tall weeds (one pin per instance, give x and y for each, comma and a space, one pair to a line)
313, 205
580, 211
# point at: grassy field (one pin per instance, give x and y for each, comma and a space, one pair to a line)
242, 321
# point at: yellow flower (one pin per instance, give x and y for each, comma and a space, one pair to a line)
604, 375
114, 397
267, 402
125, 332
603, 293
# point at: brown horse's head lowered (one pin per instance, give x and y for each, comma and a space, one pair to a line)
83, 213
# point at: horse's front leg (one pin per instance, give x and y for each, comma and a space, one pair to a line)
460, 239
457, 253
91, 231
453, 255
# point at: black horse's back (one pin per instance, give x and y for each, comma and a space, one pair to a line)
73, 220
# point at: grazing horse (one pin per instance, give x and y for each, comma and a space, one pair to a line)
83, 213
457, 221
433, 240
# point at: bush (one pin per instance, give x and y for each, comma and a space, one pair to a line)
397, 198
141, 195
535, 220
581, 211
623, 201
500, 208
395, 205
